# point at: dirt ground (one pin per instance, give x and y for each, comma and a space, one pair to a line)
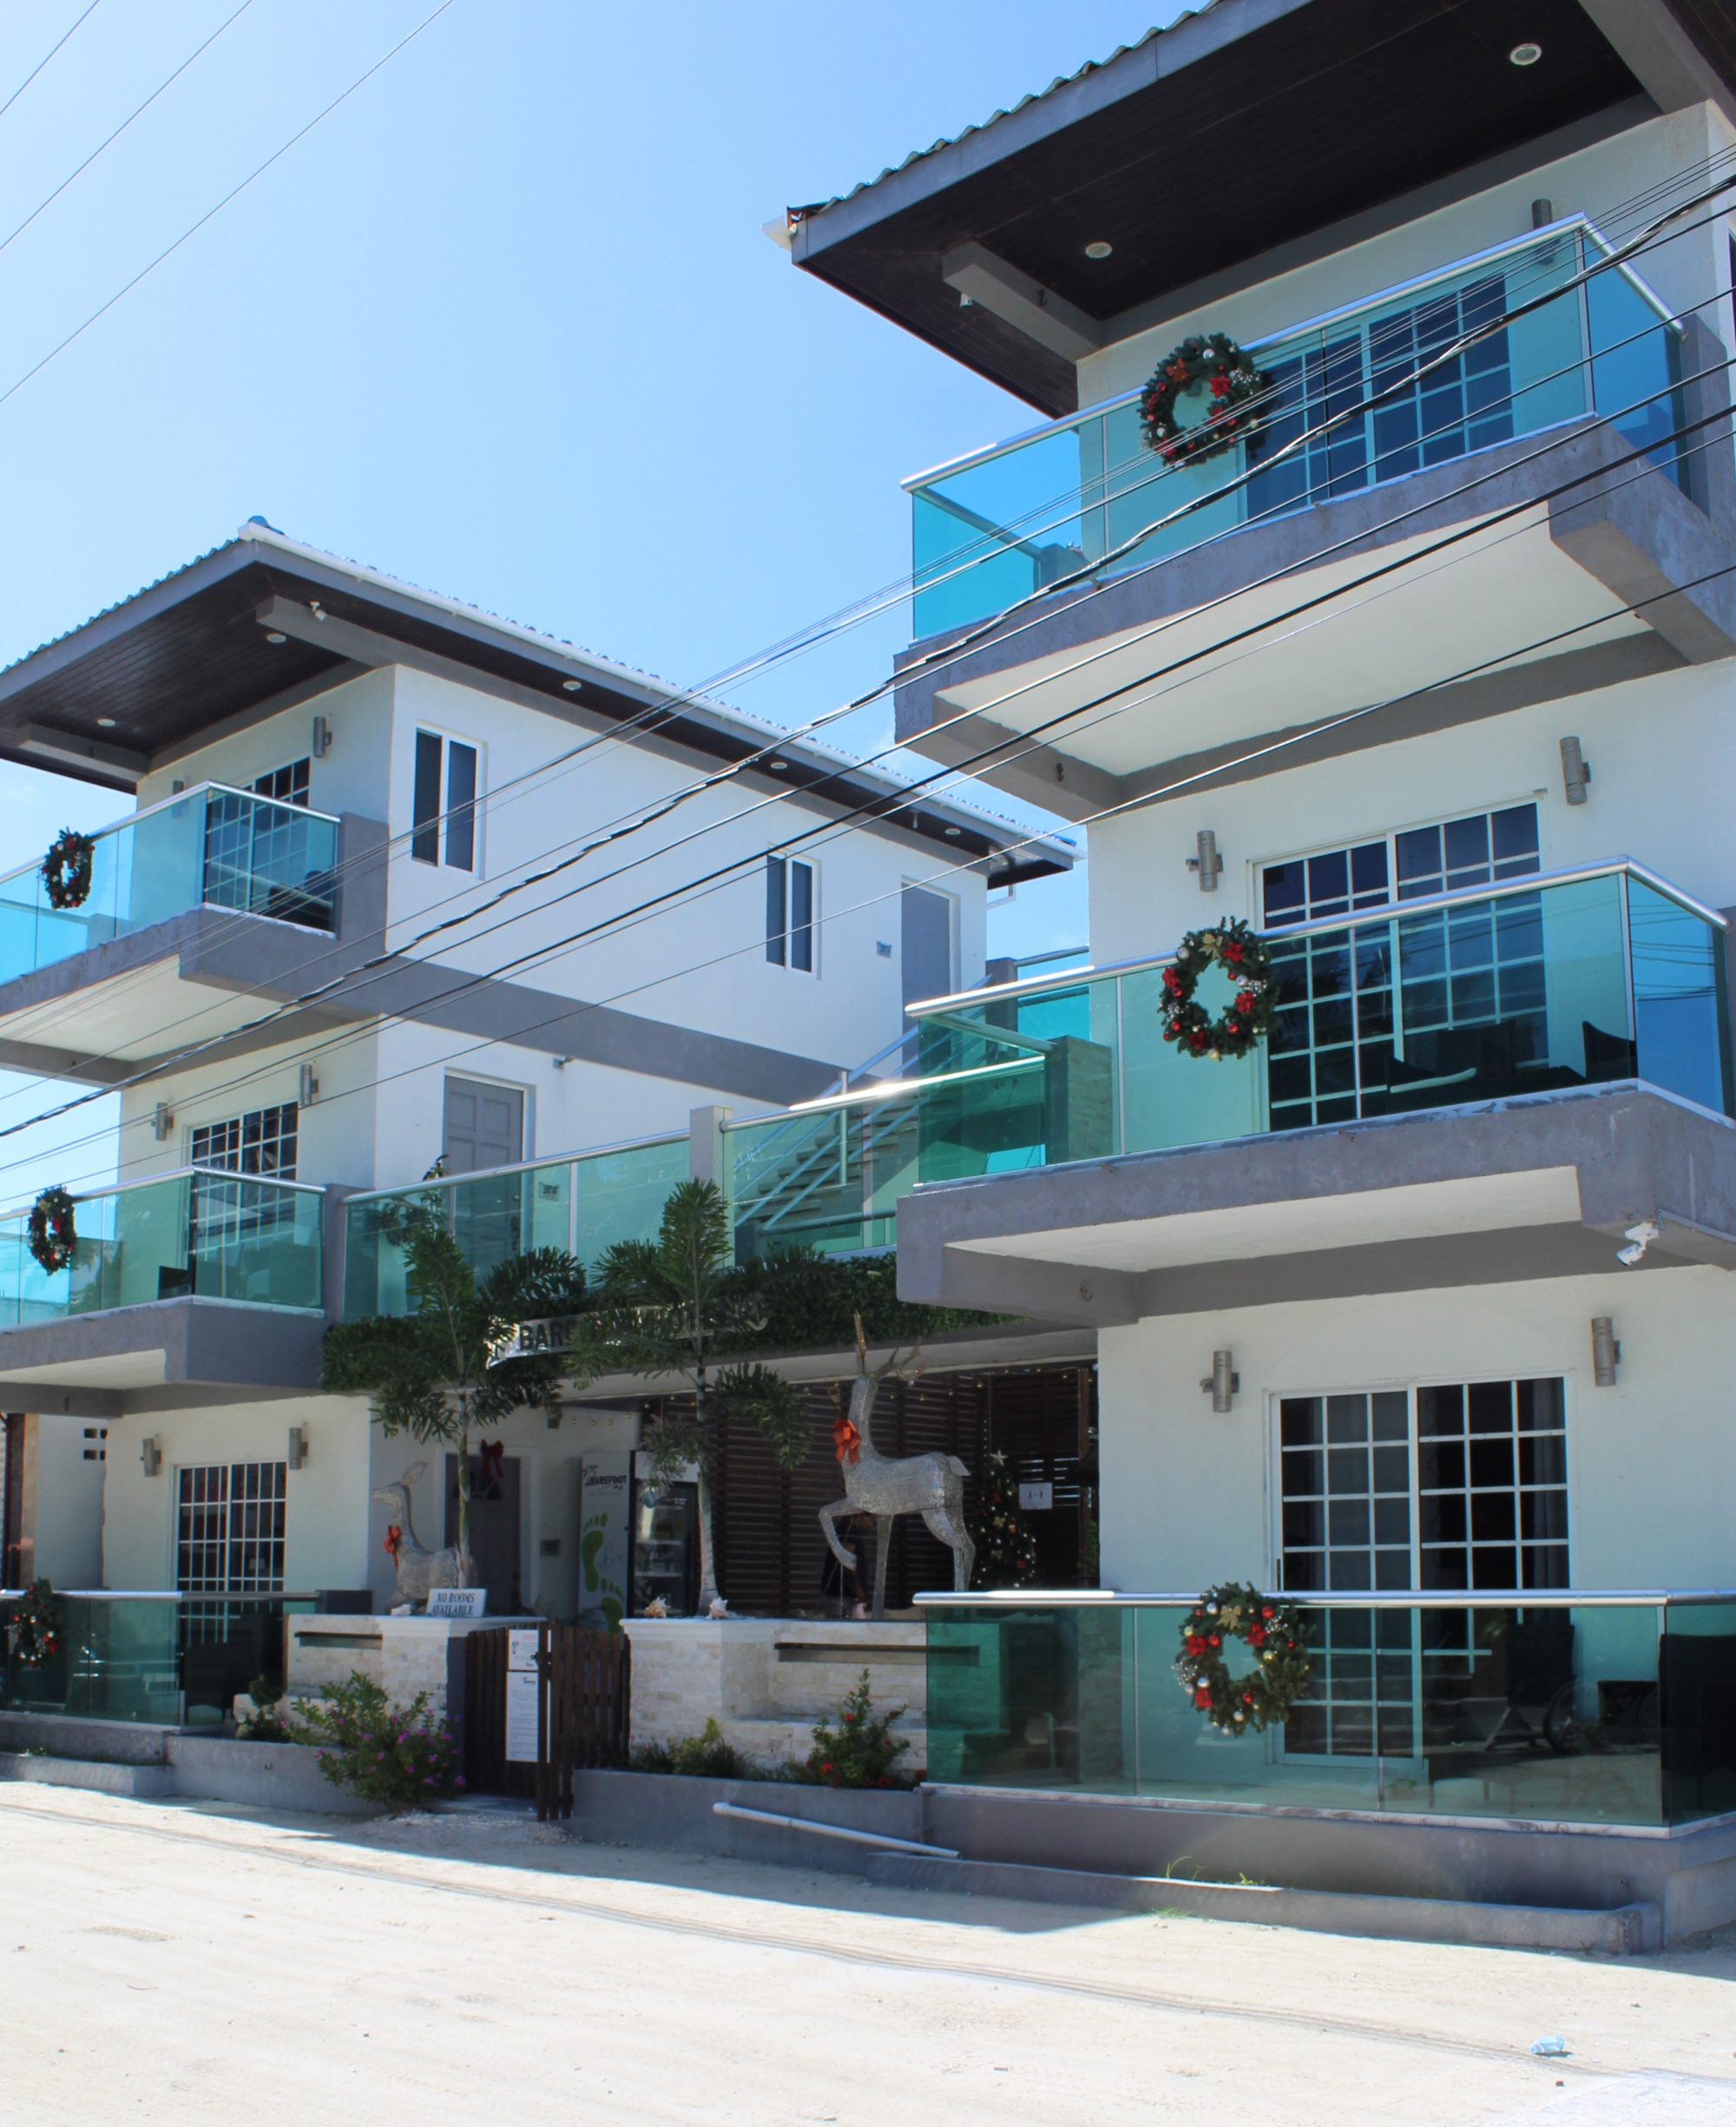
185, 1963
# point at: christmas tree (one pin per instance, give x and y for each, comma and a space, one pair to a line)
1006, 1550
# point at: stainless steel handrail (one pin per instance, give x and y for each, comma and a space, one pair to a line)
176, 1174
1384, 912
180, 797
1395, 291
1384, 1598
525, 1166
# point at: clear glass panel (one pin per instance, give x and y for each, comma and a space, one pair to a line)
118, 1661
1636, 369
269, 859
827, 1181
1680, 1008
621, 1196
1032, 1698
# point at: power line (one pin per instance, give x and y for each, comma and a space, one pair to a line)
234, 193
103, 146
46, 57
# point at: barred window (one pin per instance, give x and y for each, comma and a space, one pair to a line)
229, 1535
289, 782
261, 1143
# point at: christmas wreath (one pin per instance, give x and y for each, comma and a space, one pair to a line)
52, 1234
1242, 955
1236, 385
1276, 1636
66, 869
36, 1623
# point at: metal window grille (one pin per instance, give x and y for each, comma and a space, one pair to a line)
263, 1142
229, 1541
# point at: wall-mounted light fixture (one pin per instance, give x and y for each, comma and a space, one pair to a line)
321, 744
306, 1086
1222, 1383
1606, 1350
1208, 864
163, 1121
150, 1455
298, 1446
1575, 775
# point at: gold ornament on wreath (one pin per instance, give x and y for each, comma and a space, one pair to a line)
1276, 1636
1240, 952
1234, 388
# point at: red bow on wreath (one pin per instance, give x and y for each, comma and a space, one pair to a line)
846, 1441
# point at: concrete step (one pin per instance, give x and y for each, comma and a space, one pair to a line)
143, 1782
1623, 1930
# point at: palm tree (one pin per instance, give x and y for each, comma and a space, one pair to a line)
679, 1305
429, 1372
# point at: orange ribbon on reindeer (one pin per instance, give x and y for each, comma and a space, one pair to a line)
846, 1441
394, 1538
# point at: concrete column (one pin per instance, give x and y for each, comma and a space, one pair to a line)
704, 1144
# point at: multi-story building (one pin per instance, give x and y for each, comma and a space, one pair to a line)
379, 917
1417, 1310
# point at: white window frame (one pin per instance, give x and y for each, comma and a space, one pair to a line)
443, 817
782, 958
1389, 835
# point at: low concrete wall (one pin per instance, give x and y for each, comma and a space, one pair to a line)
1688, 1873
1625, 1931
670, 1810
120, 1742
147, 1782
261, 1775
401, 1655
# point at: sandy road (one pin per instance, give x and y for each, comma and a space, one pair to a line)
174, 1963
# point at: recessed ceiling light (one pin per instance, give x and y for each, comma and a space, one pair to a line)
777, 764
107, 722
277, 635
1099, 250
571, 687
1526, 55
955, 830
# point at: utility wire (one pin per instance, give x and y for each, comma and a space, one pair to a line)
46, 57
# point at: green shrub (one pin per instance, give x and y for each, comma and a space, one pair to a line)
709, 1756
399, 1755
264, 1724
861, 1751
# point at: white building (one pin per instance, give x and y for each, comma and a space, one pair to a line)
329, 765
1433, 686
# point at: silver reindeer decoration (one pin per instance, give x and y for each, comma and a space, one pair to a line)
418, 1569
932, 1485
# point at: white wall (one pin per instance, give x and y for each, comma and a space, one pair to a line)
65, 1513
350, 777
1663, 758
1187, 1494
1686, 269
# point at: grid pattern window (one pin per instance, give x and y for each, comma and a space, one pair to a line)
1329, 1054
261, 858
1332, 884
443, 802
791, 914
289, 783
229, 1527
1491, 1486
261, 1143
1479, 851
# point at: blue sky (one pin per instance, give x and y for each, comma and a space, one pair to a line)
506, 325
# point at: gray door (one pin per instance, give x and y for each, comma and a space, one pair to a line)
485, 1126
925, 948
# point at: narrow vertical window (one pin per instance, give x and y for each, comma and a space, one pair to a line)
460, 805
776, 909
424, 824
802, 916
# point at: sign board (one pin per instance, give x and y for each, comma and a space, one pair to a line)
523, 1689
521, 1647
457, 1602
1034, 1498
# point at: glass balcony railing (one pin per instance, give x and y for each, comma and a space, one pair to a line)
583, 1204
175, 1660
1536, 986
197, 1234
1572, 1706
210, 847
1006, 523
828, 1178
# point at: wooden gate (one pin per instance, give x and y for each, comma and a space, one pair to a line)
581, 1715
587, 1695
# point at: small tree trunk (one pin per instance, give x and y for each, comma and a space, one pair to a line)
464, 1566
707, 1569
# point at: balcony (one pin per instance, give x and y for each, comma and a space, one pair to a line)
210, 847
134, 1311
1003, 524
1539, 986
1563, 1706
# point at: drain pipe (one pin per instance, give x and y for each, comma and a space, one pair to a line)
833, 1831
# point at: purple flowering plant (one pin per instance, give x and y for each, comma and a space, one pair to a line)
402, 1757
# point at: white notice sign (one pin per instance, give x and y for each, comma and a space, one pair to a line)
521, 1647
1034, 1498
457, 1602
522, 1689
